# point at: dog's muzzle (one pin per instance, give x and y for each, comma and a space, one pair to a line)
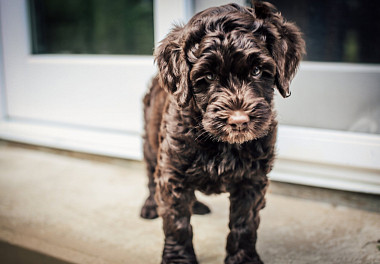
238, 120
237, 123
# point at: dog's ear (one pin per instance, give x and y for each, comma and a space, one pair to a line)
284, 41
173, 70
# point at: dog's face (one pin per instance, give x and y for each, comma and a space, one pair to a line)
228, 60
232, 80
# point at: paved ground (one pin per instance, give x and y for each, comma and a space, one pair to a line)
72, 209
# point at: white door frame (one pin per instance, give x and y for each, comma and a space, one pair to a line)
319, 157
22, 72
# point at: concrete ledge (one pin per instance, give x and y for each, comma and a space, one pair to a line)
87, 211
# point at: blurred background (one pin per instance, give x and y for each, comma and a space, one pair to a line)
73, 74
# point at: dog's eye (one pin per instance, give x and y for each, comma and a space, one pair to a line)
256, 71
210, 77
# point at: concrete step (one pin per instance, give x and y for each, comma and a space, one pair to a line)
76, 209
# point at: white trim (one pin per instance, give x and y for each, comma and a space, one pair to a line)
329, 147
123, 60
200, 5
167, 13
108, 143
328, 176
326, 158
339, 67
3, 102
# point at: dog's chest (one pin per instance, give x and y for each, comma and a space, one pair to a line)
221, 164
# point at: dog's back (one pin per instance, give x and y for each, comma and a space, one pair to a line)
154, 102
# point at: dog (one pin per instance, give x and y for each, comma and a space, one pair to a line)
210, 124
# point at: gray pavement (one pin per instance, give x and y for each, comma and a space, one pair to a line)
73, 208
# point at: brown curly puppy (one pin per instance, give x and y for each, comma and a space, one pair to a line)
210, 124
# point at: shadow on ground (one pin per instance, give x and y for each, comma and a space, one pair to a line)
11, 254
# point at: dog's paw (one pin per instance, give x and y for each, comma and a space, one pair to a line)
179, 260
176, 253
200, 208
149, 210
243, 259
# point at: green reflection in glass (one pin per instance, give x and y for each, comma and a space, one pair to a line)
91, 26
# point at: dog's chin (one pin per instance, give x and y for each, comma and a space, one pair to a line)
240, 137
224, 133
237, 137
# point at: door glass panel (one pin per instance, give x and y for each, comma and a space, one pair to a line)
331, 97
91, 26
337, 30
334, 30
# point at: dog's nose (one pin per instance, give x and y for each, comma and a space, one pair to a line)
238, 119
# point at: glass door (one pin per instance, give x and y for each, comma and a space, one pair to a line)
339, 84
73, 74
330, 133
75, 71
74, 63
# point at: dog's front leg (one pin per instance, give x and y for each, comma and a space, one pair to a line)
174, 206
246, 200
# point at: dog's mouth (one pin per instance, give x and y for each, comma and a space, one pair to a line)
236, 126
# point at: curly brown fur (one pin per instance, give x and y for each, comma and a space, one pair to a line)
210, 124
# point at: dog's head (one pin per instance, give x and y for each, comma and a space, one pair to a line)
229, 60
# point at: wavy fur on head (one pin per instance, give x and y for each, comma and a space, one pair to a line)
210, 123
